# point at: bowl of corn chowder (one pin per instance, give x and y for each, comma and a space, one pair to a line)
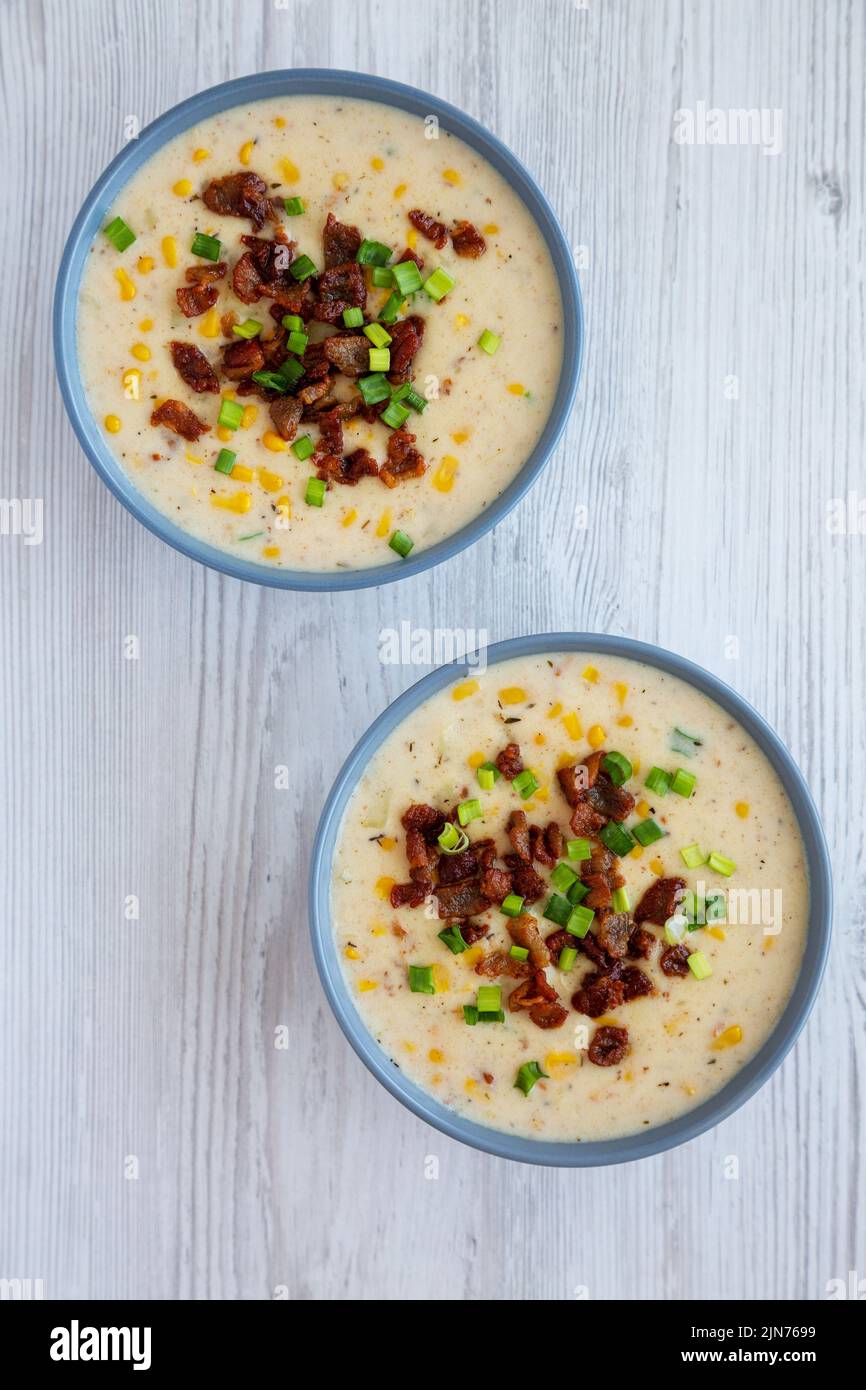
572, 909
317, 329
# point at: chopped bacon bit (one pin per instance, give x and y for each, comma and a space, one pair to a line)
640, 944
349, 470
534, 990
523, 931
407, 335
285, 412
348, 352
227, 322
340, 242
473, 931
331, 426
295, 299
178, 417
547, 844
557, 941
315, 391
612, 933
241, 358
247, 282
193, 367
660, 901
427, 819
517, 829
468, 241
196, 299
601, 876
597, 994
408, 894
526, 883
551, 1015
498, 963
609, 1046
205, 274
496, 884
410, 255
510, 763
434, 231
341, 287
463, 899
404, 460
240, 195
635, 983
675, 960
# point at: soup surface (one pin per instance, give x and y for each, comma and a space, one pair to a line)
656, 931
475, 414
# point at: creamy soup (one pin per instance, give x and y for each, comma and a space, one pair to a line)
484, 301
606, 970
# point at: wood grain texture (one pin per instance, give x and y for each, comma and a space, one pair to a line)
260, 1168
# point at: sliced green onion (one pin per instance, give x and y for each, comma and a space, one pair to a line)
489, 342
675, 930
619, 900
690, 907
580, 920
293, 322
558, 910
382, 277
231, 414
373, 253
687, 744
700, 966
421, 979
576, 893
119, 234
225, 461
720, 864
715, 907
406, 276
567, 957
617, 767
491, 1016
525, 783
578, 850
511, 905
647, 832
693, 856
683, 783
469, 810
297, 343
492, 769
208, 247
562, 878
401, 543
391, 308
439, 283
527, 1076
486, 780
294, 206
315, 492
617, 839
411, 397
288, 375
380, 361
378, 335
374, 388
252, 536
394, 414
470, 1014
453, 939
658, 781
451, 840
250, 328
303, 447
488, 999
302, 268
519, 952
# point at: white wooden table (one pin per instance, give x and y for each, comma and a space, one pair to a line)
153, 1141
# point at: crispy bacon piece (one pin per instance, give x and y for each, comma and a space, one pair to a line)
467, 240
314, 392
498, 963
341, 287
285, 412
640, 944
609, 1046
408, 894
349, 470
601, 876
517, 828
295, 299
330, 424
453, 868
348, 352
315, 362
547, 844
241, 358
526, 883
597, 994
420, 816
660, 901
549, 1015
340, 241
410, 255
496, 884
612, 933
510, 763
675, 960
473, 932
635, 983
418, 852
535, 990
434, 231
463, 899
557, 941
609, 800
244, 194
178, 417
523, 931
196, 299
193, 367
590, 947
205, 274
247, 281
404, 460
407, 335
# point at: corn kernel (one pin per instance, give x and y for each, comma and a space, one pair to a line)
460, 436
351, 515
412, 238
378, 930
596, 736
464, 689
127, 288
607, 1022
245, 153
352, 953
271, 482
249, 417
742, 809
517, 388
572, 725
145, 265
241, 473
729, 1038
274, 442
383, 887
557, 1062
657, 867
443, 478
270, 552
182, 188
200, 155
436, 1054
240, 502
441, 979
169, 251
146, 325
555, 710
628, 1076
476, 759
565, 760
284, 508
637, 852
621, 691
542, 793
462, 320
340, 181
193, 458
377, 163
280, 122
512, 695
643, 808
590, 674
141, 351
769, 943
540, 739
469, 1084
491, 229
689, 1090
451, 176
399, 190
625, 721
635, 766
289, 170
471, 957
387, 842
718, 932
210, 324
224, 434
384, 525
366, 985
112, 424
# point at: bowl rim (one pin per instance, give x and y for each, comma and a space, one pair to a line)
744, 1083
297, 82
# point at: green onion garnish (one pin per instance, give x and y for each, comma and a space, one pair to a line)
353, 318
567, 957
401, 543
302, 268
293, 322
525, 783
494, 775
700, 966
489, 342
382, 277
411, 397
208, 247
511, 905
488, 999
562, 878
378, 336
374, 388
558, 910
406, 276
527, 1076
683, 783
647, 832
119, 234
658, 781
250, 328
578, 850
580, 920
720, 865
619, 900
687, 744
452, 840
439, 283
373, 253
675, 930
491, 1016
519, 953
470, 1014
469, 810
453, 939
617, 767
391, 308
252, 536
394, 414
225, 461
290, 372
315, 493
693, 856
380, 361
421, 979
576, 893
231, 414
294, 206
715, 908
297, 343
617, 839
486, 780
303, 447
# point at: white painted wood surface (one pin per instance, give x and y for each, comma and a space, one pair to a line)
260, 1168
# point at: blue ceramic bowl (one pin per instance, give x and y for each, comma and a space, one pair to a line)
295, 82
647, 1142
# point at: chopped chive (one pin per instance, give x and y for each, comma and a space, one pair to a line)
451, 840
439, 284
700, 966
288, 375
658, 781
527, 1076
687, 744
380, 361
720, 864
519, 952
558, 910
293, 322
675, 930
231, 414
693, 856
470, 1014
291, 371
303, 447
576, 893
412, 398
647, 832
294, 206
567, 957
406, 276
452, 937
617, 767
250, 328
617, 839
401, 543
619, 900
579, 921
492, 769
302, 268
252, 536
488, 999
208, 247
373, 253
486, 780
469, 810
382, 277
525, 783
297, 343
378, 336
374, 388
511, 905
353, 318
562, 878
489, 342
491, 1016
578, 850
683, 783
314, 495
394, 414
225, 461
421, 979
391, 308
119, 234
